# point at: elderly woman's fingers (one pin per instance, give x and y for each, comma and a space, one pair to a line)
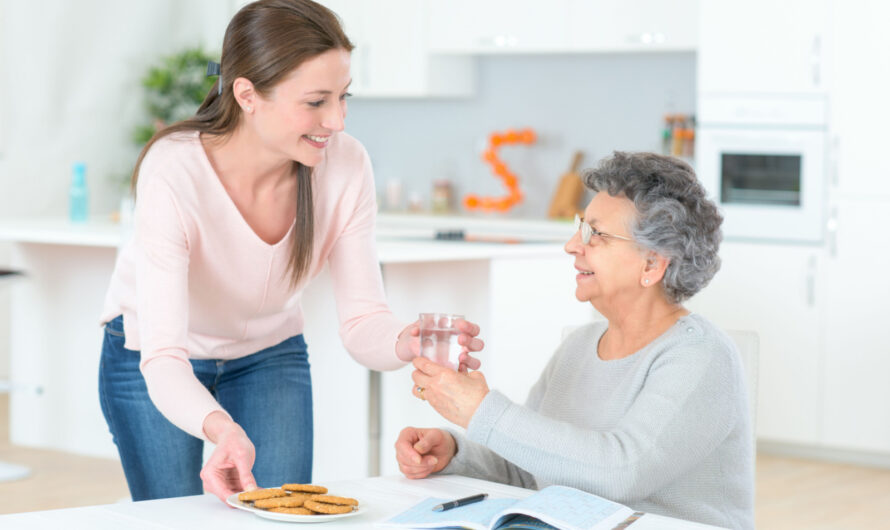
470, 342
465, 326
415, 472
468, 361
411, 448
405, 452
427, 366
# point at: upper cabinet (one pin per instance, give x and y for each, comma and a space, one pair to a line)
561, 26
633, 25
859, 112
762, 46
392, 56
498, 26
425, 48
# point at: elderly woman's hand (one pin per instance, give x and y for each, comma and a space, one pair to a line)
408, 344
454, 395
424, 451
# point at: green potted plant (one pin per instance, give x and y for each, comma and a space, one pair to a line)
174, 90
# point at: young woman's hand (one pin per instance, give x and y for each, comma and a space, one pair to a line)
408, 344
228, 470
424, 451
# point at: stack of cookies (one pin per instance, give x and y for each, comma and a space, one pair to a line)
298, 499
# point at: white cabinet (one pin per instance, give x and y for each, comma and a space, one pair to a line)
633, 25
859, 114
772, 290
857, 337
391, 56
498, 26
760, 46
558, 26
857, 341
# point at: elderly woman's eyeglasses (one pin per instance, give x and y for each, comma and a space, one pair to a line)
588, 231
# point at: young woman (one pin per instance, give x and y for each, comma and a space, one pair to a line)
237, 209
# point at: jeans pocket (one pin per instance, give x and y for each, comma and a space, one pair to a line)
115, 327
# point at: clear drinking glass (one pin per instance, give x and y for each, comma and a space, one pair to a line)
438, 338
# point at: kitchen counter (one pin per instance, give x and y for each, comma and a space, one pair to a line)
400, 238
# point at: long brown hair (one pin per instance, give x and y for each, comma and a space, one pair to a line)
264, 42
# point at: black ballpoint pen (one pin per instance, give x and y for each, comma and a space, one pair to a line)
459, 502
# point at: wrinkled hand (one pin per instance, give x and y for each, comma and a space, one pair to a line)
408, 345
421, 452
228, 470
454, 395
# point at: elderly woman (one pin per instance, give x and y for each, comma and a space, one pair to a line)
648, 408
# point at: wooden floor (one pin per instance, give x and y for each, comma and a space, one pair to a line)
791, 493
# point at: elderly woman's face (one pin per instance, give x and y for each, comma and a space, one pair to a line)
608, 267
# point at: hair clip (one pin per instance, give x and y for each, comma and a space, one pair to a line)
213, 69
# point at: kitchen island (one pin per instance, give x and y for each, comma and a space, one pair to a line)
520, 294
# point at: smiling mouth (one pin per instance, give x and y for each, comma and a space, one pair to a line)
319, 141
582, 272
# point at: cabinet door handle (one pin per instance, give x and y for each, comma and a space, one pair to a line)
833, 153
498, 41
831, 229
816, 61
811, 282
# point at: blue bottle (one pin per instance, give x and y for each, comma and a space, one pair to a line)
77, 194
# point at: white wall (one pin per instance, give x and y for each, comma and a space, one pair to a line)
69, 90
595, 103
70, 81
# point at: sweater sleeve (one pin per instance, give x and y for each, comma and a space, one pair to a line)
163, 309
368, 328
686, 408
476, 460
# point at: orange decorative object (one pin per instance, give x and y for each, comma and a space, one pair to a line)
500, 169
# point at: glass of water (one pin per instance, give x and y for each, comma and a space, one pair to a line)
438, 338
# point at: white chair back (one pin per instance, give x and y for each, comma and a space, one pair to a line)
749, 349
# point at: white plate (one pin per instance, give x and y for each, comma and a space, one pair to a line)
233, 501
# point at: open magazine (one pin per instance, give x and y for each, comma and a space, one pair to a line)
558, 507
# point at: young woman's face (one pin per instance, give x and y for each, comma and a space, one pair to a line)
607, 267
306, 109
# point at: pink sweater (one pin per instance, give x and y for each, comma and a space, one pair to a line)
196, 282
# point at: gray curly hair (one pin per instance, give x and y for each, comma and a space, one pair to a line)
674, 216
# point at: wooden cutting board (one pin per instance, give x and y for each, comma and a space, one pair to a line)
566, 200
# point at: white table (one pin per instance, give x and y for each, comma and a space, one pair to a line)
383, 496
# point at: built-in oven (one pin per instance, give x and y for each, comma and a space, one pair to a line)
763, 162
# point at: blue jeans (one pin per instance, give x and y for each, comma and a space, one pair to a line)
268, 393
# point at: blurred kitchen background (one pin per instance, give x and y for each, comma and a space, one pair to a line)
780, 106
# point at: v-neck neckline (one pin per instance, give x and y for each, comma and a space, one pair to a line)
205, 159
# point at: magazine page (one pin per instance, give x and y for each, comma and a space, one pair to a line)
568, 509
477, 516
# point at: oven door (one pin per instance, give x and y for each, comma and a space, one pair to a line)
769, 182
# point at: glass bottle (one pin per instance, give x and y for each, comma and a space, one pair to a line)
77, 194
